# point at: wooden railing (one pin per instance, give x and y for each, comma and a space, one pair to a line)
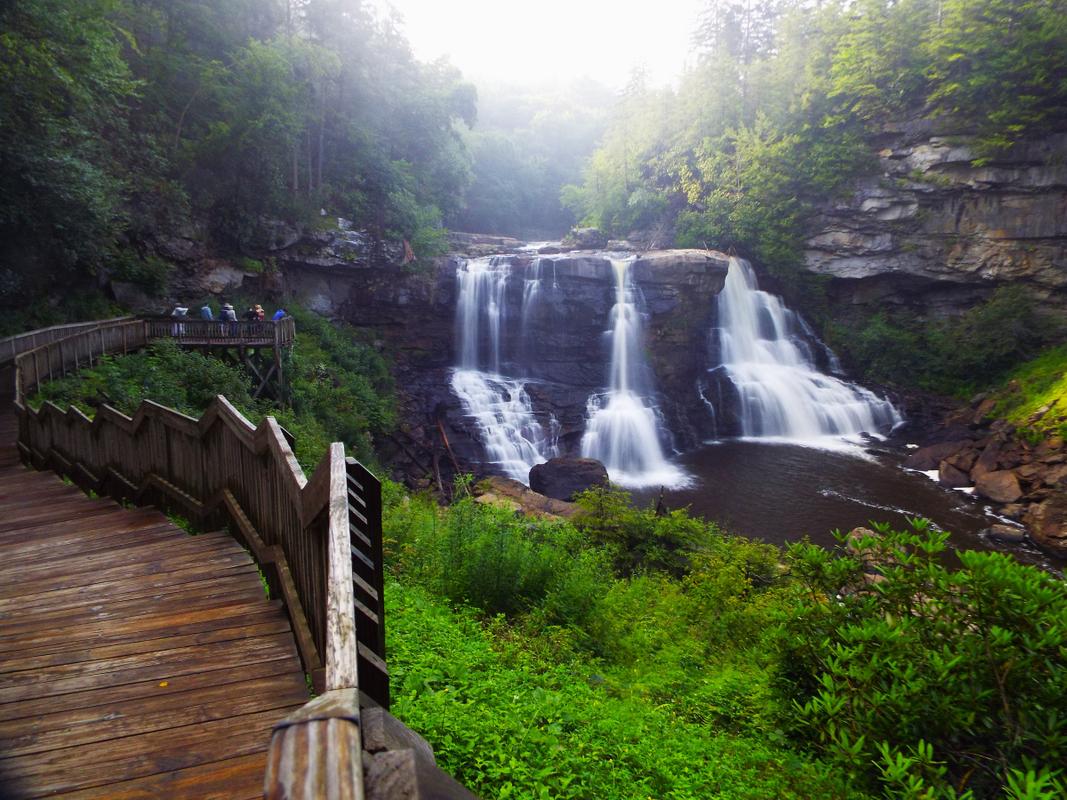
12, 346
186, 330
61, 357
318, 541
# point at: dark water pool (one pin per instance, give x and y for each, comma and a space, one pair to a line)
782, 492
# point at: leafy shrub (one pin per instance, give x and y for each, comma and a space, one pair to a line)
512, 722
933, 682
638, 539
183, 380
954, 356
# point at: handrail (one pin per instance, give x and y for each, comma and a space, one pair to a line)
318, 540
280, 333
12, 346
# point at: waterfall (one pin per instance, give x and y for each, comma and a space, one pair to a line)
766, 352
513, 438
623, 429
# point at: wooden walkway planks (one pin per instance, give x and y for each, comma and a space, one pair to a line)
136, 661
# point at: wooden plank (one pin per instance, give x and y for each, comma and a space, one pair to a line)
104, 723
161, 565
233, 609
341, 654
87, 766
55, 681
233, 779
134, 553
249, 628
150, 590
138, 690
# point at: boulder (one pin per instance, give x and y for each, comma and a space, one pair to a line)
930, 457
585, 239
565, 477
1005, 533
1047, 523
951, 476
1000, 486
989, 460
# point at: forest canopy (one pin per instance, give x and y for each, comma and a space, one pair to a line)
777, 112
124, 119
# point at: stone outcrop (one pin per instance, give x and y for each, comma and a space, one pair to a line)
1024, 482
932, 231
566, 477
563, 352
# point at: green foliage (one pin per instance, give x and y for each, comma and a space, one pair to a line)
933, 682
954, 356
510, 720
183, 380
124, 121
1035, 395
341, 388
63, 90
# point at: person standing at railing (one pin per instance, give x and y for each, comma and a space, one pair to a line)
230, 315
260, 313
279, 315
181, 312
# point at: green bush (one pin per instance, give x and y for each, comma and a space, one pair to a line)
955, 356
512, 721
183, 380
928, 681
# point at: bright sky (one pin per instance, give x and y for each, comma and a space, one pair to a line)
536, 41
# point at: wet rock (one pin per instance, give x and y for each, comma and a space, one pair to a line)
1047, 523
1000, 486
565, 477
989, 460
930, 457
1005, 533
984, 411
964, 460
951, 476
1014, 511
585, 239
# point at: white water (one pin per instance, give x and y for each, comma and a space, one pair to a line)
513, 438
623, 430
782, 393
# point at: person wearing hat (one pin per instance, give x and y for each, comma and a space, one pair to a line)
230, 315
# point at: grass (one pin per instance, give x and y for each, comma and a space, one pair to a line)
1033, 387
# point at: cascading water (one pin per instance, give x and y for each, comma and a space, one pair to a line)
769, 360
623, 430
513, 438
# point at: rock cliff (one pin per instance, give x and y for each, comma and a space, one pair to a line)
559, 343
934, 232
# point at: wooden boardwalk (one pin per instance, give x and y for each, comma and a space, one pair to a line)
136, 661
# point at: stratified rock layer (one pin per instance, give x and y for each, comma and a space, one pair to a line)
933, 231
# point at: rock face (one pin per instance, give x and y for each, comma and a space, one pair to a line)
564, 478
557, 344
933, 232
1026, 482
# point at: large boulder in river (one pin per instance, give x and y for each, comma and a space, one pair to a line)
1000, 486
928, 458
585, 239
565, 477
1047, 523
